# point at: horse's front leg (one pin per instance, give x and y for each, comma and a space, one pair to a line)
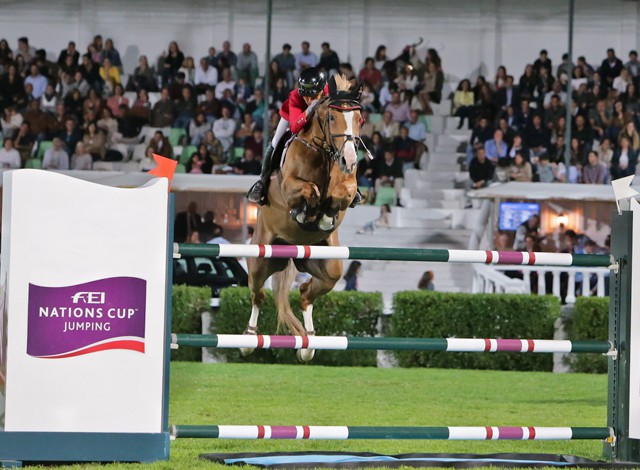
302, 197
341, 196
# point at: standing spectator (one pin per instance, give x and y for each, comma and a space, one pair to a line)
624, 160
287, 63
25, 50
161, 145
426, 281
171, 62
633, 67
388, 128
305, 58
351, 276
111, 53
227, 83
463, 102
225, 128
329, 61
610, 68
205, 77
37, 80
81, 159
389, 173
55, 158
70, 51
542, 61
594, 172
247, 65
9, 157
164, 110
496, 148
528, 83
226, 57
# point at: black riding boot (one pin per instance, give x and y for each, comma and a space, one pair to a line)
356, 199
258, 192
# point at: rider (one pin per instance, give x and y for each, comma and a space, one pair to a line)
295, 112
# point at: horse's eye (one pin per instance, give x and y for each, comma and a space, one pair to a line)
331, 118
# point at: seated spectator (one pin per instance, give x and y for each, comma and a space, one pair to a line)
10, 121
367, 99
249, 165
227, 83
388, 128
200, 162
24, 141
517, 146
164, 111
255, 142
143, 77
81, 84
49, 99
594, 172
198, 127
161, 145
605, 153
600, 119
629, 132
81, 159
280, 93
520, 170
501, 78
377, 146
73, 103
481, 172
370, 75
405, 149
244, 130
114, 102
556, 90
206, 76
399, 109
554, 112
620, 83
528, 83
37, 81
95, 142
188, 68
109, 126
110, 74
417, 132
148, 163
141, 106
389, 173
11, 87
70, 51
507, 132
545, 169
55, 158
247, 64
210, 106
407, 83
381, 222
365, 175
463, 103
531, 227
582, 132
185, 109
255, 106
624, 160
496, 149
578, 151
619, 119
507, 95
214, 147
9, 157
305, 58
225, 128
537, 137
432, 87
70, 135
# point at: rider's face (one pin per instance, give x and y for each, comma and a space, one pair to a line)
310, 99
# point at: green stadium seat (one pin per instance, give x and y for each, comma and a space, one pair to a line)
175, 136
425, 119
386, 195
375, 118
238, 153
187, 151
33, 163
43, 147
180, 168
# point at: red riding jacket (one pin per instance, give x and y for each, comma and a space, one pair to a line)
293, 110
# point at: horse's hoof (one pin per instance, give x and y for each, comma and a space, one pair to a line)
305, 355
299, 215
250, 330
326, 223
246, 351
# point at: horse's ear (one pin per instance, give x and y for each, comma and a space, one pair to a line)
357, 89
333, 87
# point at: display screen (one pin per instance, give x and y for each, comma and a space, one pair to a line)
512, 214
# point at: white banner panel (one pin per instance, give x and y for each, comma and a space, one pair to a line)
84, 272
634, 346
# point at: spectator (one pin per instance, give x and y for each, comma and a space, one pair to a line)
38, 120
81, 159
631, 134
582, 132
70, 51
185, 109
227, 83
143, 77
249, 165
481, 172
370, 75
496, 148
426, 281
633, 67
405, 149
247, 65
171, 62
528, 83
91, 73
118, 99
70, 136
432, 87
25, 50
81, 84
537, 137
329, 61
24, 141
463, 102
111, 53
605, 153
214, 147
225, 128
186, 223
381, 222
600, 119
96, 47
210, 107
518, 146
556, 90
198, 127
351, 276
255, 142
507, 132
94, 142
554, 112
544, 169
287, 63
389, 173
110, 74
587, 70
141, 106
388, 128
507, 95
161, 145
108, 125
621, 82
399, 109
305, 58
624, 160
55, 158
618, 120
565, 69
520, 170
205, 76
147, 163
188, 68
531, 227
365, 175
164, 110
37, 80
594, 172
417, 132
200, 162
11, 87
610, 68
212, 57
11, 121
9, 157
226, 57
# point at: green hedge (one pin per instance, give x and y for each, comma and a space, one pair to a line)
590, 322
337, 313
440, 315
187, 305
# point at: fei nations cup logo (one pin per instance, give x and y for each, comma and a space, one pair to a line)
86, 318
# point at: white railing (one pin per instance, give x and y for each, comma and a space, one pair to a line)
491, 279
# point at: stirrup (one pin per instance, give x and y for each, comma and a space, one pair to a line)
257, 193
356, 199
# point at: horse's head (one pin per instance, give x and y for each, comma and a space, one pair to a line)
341, 115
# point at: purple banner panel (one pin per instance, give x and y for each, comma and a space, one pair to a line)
98, 315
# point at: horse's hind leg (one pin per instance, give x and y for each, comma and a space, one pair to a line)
325, 274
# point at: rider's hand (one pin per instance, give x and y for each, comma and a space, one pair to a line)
312, 107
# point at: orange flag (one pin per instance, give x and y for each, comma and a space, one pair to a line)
165, 169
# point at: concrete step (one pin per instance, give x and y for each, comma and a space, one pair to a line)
437, 166
433, 204
441, 109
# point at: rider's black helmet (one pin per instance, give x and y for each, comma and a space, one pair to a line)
311, 82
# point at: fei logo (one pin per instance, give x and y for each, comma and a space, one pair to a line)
88, 297
87, 318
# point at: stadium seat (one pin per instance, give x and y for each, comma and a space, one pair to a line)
139, 151
180, 168
375, 118
425, 119
385, 195
360, 154
154, 97
238, 153
33, 163
131, 96
187, 151
175, 135
43, 147
123, 149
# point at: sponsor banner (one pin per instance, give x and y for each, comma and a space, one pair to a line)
86, 318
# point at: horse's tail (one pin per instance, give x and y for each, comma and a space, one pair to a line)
282, 281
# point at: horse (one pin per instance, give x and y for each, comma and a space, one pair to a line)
308, 199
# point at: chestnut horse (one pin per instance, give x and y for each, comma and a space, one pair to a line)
308, 198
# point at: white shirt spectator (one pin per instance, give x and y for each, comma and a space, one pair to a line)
206, 77
12, 124
223, 86
620, 84
309, 58
224, 129
81, 162
55, 160
9, 159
